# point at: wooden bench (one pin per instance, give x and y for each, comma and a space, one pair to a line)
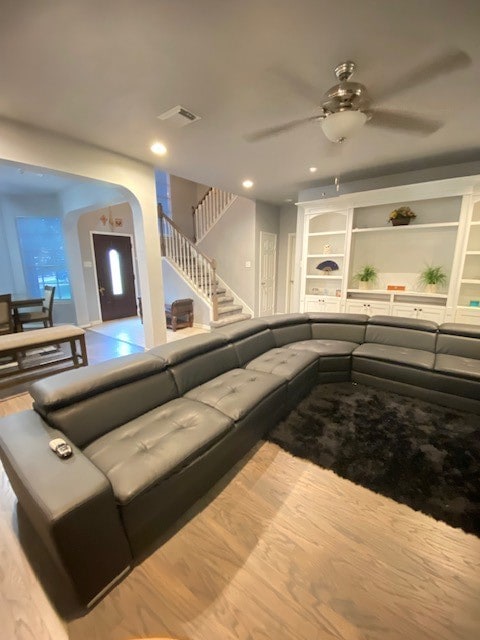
15, 346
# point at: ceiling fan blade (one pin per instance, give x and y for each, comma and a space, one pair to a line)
403, 121
301, 87
273, 131
451, 60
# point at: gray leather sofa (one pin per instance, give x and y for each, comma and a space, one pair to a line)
152, 432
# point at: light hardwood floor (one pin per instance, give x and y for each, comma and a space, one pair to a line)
284, 550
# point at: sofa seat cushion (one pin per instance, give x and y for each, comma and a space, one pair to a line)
325, 347
458, 366
236, 392
144, 451
286, 363
400, 355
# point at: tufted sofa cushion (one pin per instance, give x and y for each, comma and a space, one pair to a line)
144, 451
286, 363
237, 392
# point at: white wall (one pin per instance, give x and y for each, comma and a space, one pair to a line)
38, 148
232, 243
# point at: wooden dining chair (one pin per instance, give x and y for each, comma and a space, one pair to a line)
44, 315
6, 314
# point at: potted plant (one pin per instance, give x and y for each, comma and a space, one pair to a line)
366, 276
401, 216
431, 277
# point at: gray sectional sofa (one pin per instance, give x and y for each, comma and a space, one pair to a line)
152, 432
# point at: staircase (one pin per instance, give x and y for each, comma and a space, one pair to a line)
200, 272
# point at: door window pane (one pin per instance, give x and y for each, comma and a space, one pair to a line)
115, 272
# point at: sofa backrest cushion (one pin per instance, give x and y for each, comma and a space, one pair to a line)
289, 327
179, 350
348, 327
402, 332
459, 340
238, 330
253, 346
197, 359
86, 403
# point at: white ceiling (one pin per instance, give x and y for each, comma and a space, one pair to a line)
102, 70
18, 179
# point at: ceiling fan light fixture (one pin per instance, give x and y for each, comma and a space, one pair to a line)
343, 124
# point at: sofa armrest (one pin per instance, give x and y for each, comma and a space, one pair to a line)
69, 502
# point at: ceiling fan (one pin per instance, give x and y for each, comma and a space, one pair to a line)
346, 106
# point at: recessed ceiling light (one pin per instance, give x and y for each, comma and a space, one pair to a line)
159, 148
248, 184
312, 169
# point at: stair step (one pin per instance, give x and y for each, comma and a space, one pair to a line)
229, 309
224, 299
221, 322
221, 291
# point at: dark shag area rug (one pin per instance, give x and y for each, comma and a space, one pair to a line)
417, 453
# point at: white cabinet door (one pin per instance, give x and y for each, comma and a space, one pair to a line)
355, 306
404, 310
323, 305
468, 316
436, 314
378, 308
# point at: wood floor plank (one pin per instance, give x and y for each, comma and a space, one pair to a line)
284, 551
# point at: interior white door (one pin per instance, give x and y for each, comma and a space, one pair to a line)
268, 263
290, 272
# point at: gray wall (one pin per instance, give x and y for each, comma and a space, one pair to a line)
175, 288
266, 219
232, 243
288, 224
87, 223
398, 179
184, 196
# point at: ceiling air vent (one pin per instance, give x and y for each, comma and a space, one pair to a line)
178, 116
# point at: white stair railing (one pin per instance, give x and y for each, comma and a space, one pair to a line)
198, 268
210, 209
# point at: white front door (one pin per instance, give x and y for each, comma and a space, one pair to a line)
268, 260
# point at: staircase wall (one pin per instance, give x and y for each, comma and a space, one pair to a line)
176, 287
231, 241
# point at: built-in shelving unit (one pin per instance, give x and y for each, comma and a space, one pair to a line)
325, 239
357, 231
467, 310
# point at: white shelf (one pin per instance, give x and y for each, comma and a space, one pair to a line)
474, 224
327, 277
468, 306
470, 281
327, 233
472, 253
393, 292
417, 227
329, 255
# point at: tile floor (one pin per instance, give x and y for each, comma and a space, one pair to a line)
130, 330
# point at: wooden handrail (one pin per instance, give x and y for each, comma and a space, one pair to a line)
162, 215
